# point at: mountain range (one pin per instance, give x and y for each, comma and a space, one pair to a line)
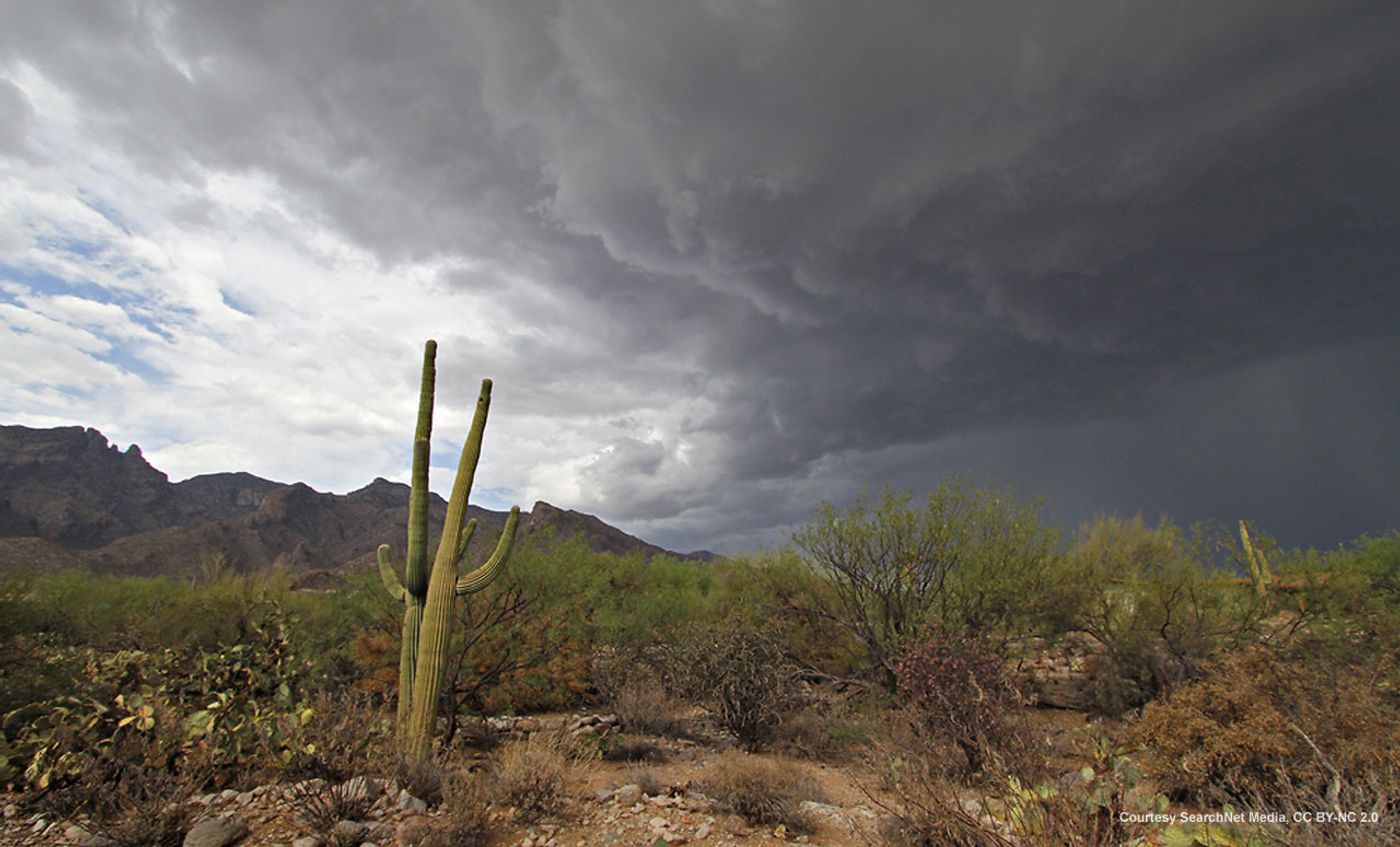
69, 499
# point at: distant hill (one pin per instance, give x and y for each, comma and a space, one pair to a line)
68, 498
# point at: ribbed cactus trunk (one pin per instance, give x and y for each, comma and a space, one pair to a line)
429, 599
1258, 566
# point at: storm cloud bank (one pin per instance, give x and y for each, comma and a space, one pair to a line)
727, 258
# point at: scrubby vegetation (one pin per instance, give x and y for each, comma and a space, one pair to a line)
889, 641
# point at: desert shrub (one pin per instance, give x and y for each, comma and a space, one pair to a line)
634, 750
647, 780
532, 774
463, 820
1157, 606
1080, 809
740, 677
632, 685
317, 805
969, 561
958, 690
762, 791
1257, 724
422, 778
824, 733
132, 793
342, 734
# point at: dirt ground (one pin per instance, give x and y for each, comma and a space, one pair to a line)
605, 804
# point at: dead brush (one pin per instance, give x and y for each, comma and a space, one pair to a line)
762, 792
635, 750
317, 806
464, 820
533, 774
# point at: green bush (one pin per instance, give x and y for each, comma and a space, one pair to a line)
1152, 600
967, 561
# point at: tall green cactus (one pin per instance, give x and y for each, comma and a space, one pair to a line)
1258, 566
429, 598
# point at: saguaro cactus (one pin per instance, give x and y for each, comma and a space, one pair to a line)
1258, 566
429, 598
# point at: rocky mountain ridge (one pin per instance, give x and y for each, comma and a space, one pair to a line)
69, 498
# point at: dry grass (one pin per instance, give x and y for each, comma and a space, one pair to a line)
533, 774
762, 791
464, 821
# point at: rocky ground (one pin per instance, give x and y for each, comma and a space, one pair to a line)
652, 803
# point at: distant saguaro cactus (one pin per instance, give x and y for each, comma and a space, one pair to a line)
1258, 565
429, 598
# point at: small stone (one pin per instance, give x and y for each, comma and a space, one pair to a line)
780, 831
349, 832
628, 794
673, 837
409, 803
216, 832
11, 811
309, 841
603, 795
703, 832
659, 823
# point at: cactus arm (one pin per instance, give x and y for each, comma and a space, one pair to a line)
388, 575
416, 560
467, 532
482, 576
435, 637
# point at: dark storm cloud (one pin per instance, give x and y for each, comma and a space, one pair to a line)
850, 228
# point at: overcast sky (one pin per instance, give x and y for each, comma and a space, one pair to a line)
722, 259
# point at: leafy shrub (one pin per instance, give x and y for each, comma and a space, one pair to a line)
130, 793
740, 677
1156, 606
342, 734
969, 561
957, 689
1258, 724
761, 791
238, 710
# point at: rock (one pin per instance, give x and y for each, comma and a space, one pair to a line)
349, 832
527, 725
603, 795
309, 841
409, 803
82, 838
628, 794
216, 832
11, 811
703, 832
659, 823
